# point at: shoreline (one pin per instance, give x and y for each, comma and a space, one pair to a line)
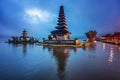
110, 42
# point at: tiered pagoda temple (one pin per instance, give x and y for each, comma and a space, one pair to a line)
61, 35
61, 32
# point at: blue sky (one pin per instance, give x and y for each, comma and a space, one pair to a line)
39, 17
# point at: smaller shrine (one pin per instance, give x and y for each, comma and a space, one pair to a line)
22, 39
91, 35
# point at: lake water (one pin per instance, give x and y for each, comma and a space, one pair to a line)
100, 61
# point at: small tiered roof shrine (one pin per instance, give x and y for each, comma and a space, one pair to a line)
24, 35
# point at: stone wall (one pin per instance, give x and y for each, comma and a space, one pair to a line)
60, 41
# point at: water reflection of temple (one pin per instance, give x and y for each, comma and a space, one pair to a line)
61, 55
91, 47
23, 47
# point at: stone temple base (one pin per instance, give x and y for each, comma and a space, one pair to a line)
71, 42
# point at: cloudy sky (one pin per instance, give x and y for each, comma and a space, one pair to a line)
39, 17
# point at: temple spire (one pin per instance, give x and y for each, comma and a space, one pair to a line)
61, 12
61, 19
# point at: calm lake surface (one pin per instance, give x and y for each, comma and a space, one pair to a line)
100, 61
